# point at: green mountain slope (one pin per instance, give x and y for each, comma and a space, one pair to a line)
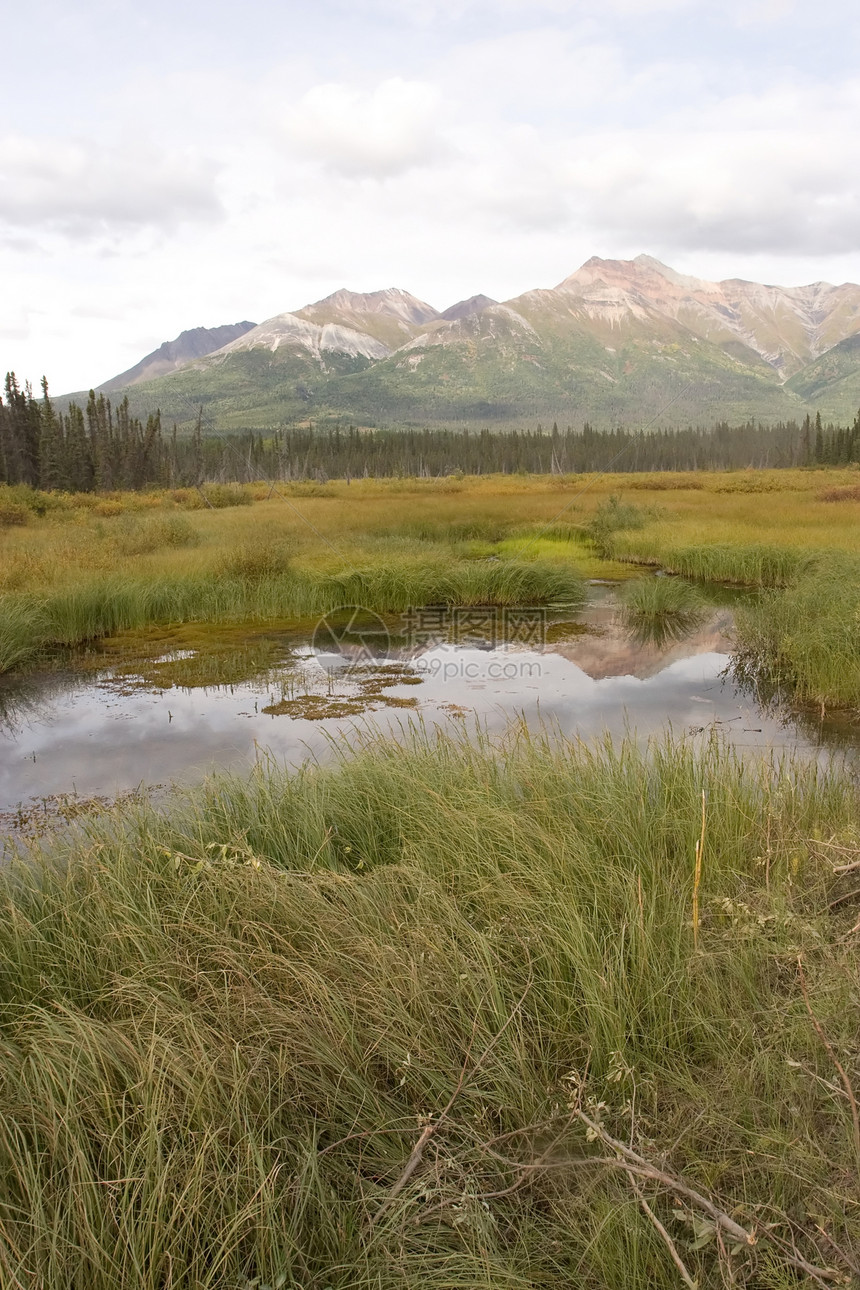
832, 383
627, 342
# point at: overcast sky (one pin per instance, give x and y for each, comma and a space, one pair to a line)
165, 168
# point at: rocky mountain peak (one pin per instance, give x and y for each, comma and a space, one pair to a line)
465, 308
392, 301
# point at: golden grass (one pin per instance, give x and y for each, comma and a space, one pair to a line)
755, 527
332, 526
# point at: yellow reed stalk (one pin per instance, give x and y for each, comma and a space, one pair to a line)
697, 879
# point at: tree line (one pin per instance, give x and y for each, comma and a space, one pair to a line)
103, 447
338, 452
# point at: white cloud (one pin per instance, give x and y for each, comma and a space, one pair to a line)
83, 188
446, 146
374, 134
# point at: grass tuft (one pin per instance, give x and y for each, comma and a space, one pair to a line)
660, 609
225, 1027
804, 641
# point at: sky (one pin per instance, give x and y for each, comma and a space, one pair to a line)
168, 167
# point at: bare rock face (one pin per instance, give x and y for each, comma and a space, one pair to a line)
466, 308
291, 331
787, 326
173, 354
392, 316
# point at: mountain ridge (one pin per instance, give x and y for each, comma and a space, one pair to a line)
196, 342
615, 341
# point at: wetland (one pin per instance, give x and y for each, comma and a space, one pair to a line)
432, 883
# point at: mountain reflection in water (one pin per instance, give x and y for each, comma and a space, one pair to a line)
110, 728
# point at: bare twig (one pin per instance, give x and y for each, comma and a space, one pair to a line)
664, 1235
643, 1168
653, 1174
795, 1259
849, 934
527, 1172
846, 1083
842, 900
428, 1131
727, 1272
789, 1253
849, 1262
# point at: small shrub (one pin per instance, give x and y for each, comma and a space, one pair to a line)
848, 493
12, 514
307, 488
666, 483
217, 496
223, 495
31, 500
188, 498
253, 561
612, 516
175, 531
140, 536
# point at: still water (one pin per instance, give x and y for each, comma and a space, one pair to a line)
171, 705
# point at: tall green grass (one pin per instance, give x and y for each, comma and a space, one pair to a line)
261, 585
223, 1028
804, 640
661, 609
748, 565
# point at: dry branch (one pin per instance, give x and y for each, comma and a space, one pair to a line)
664, 1235
430, 1129
846, 1083
643, 1168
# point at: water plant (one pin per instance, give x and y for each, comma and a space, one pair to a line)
803, 641
746, 564
259, 586
661, 609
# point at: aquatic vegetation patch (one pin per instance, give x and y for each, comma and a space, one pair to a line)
804, 641
753, 565
557, 632
323, 707
659, 609
44, 815
316, 707
192, 655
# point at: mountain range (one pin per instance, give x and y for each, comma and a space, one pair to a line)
617, 342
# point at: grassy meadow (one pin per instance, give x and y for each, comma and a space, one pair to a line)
76, 568
435, 1016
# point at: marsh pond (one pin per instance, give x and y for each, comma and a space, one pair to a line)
171, 704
